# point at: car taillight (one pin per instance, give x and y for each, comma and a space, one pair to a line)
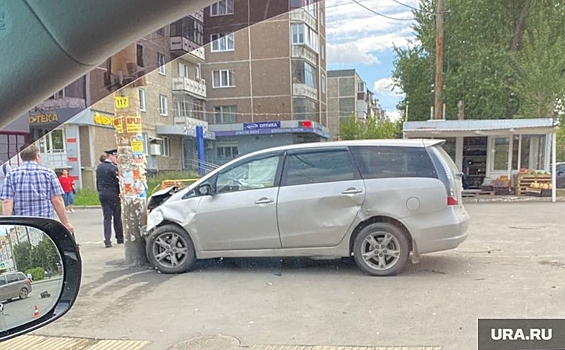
452, 201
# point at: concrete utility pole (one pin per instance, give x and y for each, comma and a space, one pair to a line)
131, 158
438, 86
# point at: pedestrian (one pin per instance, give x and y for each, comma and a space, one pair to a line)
108, 186
30, 277
68, 184
33, 190
102, 158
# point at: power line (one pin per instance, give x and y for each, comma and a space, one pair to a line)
380, 14
403, 4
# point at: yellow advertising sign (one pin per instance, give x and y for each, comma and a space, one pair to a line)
119, 125
122, 102
137, 146
103, 120
43, 118
133, 124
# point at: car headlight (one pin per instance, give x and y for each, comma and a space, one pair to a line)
154, 219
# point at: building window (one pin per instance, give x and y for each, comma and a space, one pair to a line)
322, 19
304, 73
361, 86
198, 75
140, 56
223, 78
323, 84
165, 147
501, 146
163, 105
161, 31
183, 109
323, 52
222, 8
227, 151
161, 61
225, 114
222, 42
189, 28
304, 35
145, 143
183, 70
304, 109
142, 106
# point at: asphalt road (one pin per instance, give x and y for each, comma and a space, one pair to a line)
19, 311
511, 266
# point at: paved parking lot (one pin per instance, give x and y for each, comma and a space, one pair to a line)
511, 266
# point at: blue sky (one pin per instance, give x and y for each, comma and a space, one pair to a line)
360, 39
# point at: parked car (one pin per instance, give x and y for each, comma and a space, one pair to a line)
560, 177
378, 200
14, 285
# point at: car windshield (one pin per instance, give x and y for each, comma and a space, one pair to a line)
289, 247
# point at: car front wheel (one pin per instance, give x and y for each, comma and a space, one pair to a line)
170, 249
381, 249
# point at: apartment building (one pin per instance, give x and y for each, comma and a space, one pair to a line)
348, 95
265, 79
172, 94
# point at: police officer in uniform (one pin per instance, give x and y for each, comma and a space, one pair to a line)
108, 186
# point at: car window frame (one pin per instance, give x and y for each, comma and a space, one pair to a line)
12, 274
354, 165
278, 173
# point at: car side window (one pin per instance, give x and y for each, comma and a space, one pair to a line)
21, 276
12, 278
381, 162
318, 167
255, 174
2, 280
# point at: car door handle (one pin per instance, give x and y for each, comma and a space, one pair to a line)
351, 191
264, 200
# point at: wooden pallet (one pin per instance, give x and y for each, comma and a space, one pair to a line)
476, 193
523, 182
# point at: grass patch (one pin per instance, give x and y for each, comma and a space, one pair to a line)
86, 197
154, 182
90, 197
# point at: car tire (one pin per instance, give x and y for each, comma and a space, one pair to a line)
386, 259
23, 293
170, 250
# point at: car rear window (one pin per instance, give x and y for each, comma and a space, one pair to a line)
381, 162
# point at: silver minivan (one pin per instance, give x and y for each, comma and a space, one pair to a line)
14, 285
380, 201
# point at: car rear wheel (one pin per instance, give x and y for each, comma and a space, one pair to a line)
170, 249
23, 293
381, 249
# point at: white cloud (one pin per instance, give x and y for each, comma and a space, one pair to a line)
348, 22
394, 115
386, 87
349, 53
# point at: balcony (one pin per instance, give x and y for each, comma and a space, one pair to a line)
304, 90
301, 15
183, 46
63, 102
199, 15
304, 52
192, 87
185, 126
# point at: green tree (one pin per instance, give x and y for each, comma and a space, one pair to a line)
352, 128
45, 255
496, 55
22, 255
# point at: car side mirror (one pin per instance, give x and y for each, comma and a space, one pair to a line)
204, 190
41, 261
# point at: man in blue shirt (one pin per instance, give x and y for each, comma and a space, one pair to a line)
108, 186
33, 190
